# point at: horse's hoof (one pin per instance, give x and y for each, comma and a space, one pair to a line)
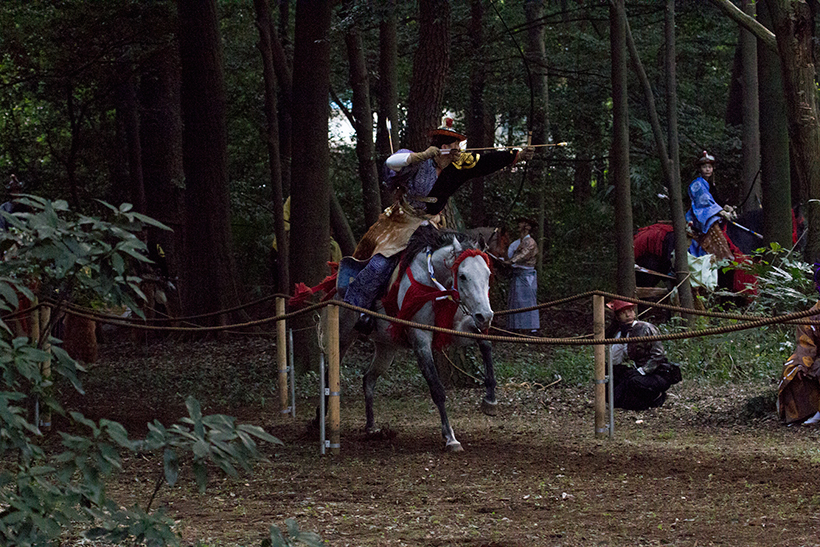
380, 434
490, 408
454, 447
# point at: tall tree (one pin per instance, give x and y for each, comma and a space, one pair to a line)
208, 278
310, 211
388, 96
161, 138
774, 144
539, 124
430, 65
264, 23
751, 118
362, 117
674, 181
793, 22
476, 114
619, 158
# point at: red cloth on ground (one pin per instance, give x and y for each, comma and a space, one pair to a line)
649, 239
416, 297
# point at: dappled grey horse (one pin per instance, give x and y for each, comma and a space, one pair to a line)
441, 272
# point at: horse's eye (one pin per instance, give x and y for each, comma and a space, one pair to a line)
462, 277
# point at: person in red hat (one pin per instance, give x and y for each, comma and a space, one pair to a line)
423, 183
642, 384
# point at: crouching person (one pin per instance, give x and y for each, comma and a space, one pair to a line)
643, 383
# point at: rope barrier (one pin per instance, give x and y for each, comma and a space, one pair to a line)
749, 322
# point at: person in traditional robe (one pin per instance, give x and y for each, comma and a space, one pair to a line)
798, 395
423, 182
705, 215
522, 254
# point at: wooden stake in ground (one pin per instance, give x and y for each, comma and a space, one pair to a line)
600, 365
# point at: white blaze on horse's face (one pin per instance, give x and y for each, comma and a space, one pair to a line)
473, 288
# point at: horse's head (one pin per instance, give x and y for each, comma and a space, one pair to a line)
471, 278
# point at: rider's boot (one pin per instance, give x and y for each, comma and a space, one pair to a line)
365, 324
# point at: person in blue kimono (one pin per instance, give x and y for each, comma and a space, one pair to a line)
704, 215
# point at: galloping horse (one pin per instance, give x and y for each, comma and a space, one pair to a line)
444, 281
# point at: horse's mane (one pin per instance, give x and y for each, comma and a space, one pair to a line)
429, 236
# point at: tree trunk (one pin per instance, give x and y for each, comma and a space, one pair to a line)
774, 145
310, 200
387, 143
793, 24
363, 124
430, 64
671, 175
161, 138
539, 124
751, 119
675, 187
208, 280
264, 24
128, 117
476, 122
340, 227
619, 162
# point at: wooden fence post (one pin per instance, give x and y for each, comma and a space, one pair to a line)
600, 365
333, 381
282, 356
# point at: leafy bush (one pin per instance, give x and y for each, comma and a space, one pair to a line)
43, 493
784, 282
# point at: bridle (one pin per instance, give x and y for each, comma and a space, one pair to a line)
454, 293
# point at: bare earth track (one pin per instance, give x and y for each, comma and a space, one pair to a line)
711, 467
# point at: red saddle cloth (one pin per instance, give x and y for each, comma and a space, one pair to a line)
417, 296
649, 239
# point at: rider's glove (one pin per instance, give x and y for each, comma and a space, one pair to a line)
728, 212
525, 154
431, 152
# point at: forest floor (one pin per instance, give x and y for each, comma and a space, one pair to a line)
713, 466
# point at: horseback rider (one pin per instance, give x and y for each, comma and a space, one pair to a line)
705, 216
424, 181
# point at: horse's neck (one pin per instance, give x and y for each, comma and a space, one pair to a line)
441, 268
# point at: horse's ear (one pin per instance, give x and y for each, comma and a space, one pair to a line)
481, 243
456, 245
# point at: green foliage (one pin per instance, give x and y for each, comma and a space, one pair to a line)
43, 493
73, 254
745, 355
784, 282
293, 537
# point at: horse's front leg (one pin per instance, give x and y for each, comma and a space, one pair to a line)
382, 358
489, 405
423, 348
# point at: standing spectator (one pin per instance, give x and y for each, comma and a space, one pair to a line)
524, 283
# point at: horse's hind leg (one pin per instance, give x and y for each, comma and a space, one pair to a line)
489, 405
382, 358
424, 353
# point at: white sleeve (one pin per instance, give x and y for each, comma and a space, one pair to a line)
398, 160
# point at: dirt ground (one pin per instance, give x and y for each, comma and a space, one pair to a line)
711, 467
